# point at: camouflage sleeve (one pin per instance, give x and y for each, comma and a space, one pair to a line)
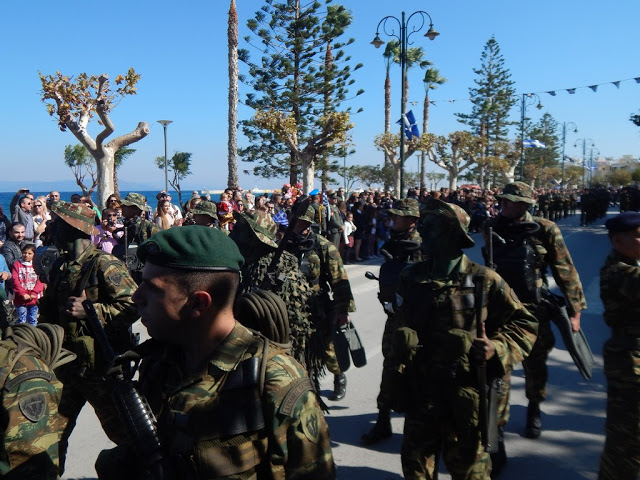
562, 268
115, 305
342, 297
509, 325
299, 443
296, 293
33, 426
619, 287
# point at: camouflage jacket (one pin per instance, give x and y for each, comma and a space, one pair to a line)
140, 229
443, 314
292, 287
619, 287
328, 277
555, 255
393, 247
268, 427
30, 424
109, 287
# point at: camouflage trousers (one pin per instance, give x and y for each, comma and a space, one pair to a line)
535, 365
76, 392
621, 456
384, 400
426, 435
330, 359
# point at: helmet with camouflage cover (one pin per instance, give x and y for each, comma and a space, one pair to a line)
78, 215
308, 215
135, 200
261, 224
454, 213
517, 192
405, 207
205, 207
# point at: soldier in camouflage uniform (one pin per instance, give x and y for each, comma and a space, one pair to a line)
229, 403
31, 427
336, 223
550, 251
255, 234
619, 290
204, 213
399, 250
85, 272
322, 264
437, 349
138, 229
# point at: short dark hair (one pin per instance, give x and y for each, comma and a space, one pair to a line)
222, 286
17, 224
29, 246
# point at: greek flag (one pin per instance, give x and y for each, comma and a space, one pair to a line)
533, 144
281, 218
410, 125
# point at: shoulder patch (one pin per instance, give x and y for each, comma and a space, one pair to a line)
298, 388
115, 278
33, 407
310, 424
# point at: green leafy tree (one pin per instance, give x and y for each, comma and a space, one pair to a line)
81, 163
620, 178
296, 94
635, 119
74, 101
546, 132
180, 167
491, 100
456, 153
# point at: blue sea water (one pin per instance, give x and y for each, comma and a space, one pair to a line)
5, 198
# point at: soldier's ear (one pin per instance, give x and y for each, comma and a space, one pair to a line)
199, 302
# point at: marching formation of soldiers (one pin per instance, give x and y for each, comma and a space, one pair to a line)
244, 322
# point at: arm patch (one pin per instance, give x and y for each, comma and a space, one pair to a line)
298, 388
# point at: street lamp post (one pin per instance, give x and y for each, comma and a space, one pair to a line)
403, 36
164, 124
529, 98
585, 142
573, 128
591, 164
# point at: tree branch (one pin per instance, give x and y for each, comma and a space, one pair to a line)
141, 131
102, 109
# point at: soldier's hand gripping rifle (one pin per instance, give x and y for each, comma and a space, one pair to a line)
132, 407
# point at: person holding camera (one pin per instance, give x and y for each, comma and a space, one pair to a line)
110, 230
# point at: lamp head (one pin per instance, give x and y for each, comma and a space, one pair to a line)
377, 42
431, 33
164, 123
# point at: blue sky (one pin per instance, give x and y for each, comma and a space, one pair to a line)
180, 49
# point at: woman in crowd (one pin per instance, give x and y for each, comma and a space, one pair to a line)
164, 220
41, 216
5, 226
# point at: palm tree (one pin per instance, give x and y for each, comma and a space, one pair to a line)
432, 80
232, 141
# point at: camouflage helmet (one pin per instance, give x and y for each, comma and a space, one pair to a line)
205, 207
135, 200
405, 207
457, 215
309, 215
517, 192
261, 224
78, 215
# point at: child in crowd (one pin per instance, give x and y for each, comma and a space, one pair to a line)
347, 233
27, 287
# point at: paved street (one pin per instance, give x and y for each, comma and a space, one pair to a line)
573, 415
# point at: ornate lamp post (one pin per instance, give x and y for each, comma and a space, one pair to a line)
572, 128
389, 25
525, 99
164, 124
591, 163
585, 143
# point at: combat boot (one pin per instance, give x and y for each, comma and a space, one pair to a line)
534, 422
499, 459
339, 387
380, 431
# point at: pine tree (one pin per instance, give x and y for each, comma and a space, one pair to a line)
491, 99
295, 94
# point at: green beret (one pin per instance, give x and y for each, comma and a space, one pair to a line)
195, 248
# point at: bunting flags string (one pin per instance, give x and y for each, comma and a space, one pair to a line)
553, 93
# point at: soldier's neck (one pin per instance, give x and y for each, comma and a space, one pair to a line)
442, 266
77, 248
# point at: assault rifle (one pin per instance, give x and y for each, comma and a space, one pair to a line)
132, 407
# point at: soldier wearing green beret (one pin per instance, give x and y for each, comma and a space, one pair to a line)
332, 299
29, 394
402, 248
229, 403
85, 272
255, 235
531, 245
438, 347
